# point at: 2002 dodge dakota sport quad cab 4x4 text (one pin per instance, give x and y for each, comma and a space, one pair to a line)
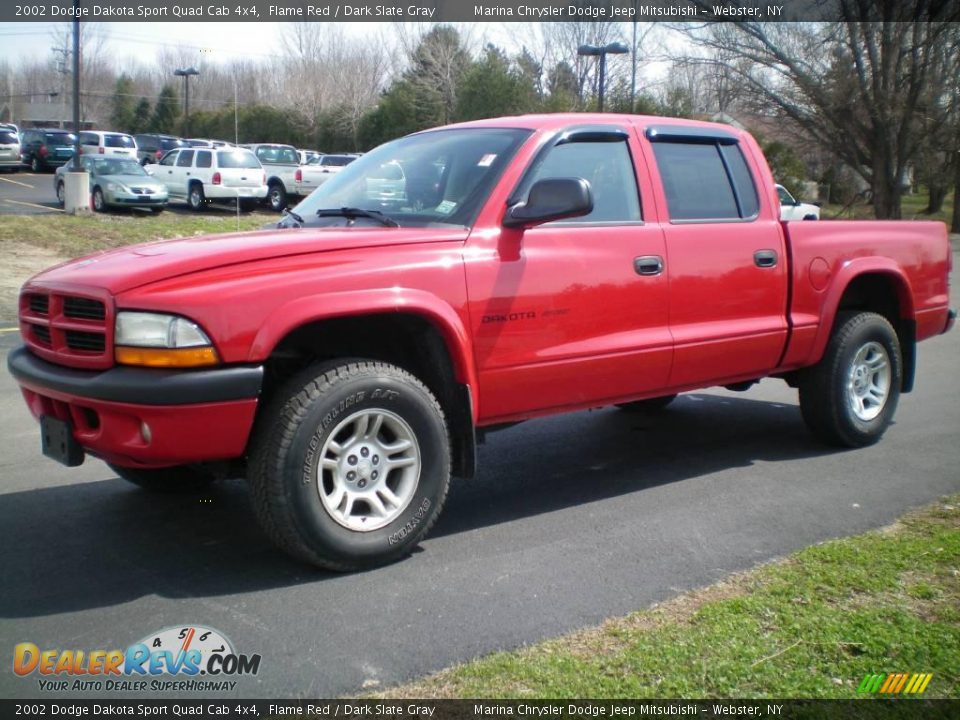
346, 361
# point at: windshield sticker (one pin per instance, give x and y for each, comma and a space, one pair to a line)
446, 207
487, 160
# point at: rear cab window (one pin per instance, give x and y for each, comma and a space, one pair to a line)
8, 137
204, 159
239, 159
704, 175
112, 140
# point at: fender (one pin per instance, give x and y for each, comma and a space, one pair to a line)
850, 271
302, 311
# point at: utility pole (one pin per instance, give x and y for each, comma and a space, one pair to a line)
76, 77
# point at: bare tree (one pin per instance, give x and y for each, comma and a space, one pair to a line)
858, 87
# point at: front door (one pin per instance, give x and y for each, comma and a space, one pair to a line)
572, 313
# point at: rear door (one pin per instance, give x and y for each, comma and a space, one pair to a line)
726, 259
167, 171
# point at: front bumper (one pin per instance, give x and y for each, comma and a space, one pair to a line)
145, 417
117, 197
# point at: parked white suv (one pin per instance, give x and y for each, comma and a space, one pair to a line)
199, 175
280, 163
792, 209
98, 142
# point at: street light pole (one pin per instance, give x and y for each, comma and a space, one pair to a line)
601, 51
185, 73
76, 78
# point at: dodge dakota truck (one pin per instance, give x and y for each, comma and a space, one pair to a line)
348, 361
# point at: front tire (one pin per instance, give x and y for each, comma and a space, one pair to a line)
61, 198
99, 204
171, 480
849, 398
350, 464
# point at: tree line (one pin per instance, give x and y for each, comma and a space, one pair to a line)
864, 109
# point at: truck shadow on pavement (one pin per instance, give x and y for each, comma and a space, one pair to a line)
99, 544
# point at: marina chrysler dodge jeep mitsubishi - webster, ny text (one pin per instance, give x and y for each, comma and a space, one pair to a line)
346, 361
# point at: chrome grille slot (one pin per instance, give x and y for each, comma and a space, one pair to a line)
81, 308
85, 341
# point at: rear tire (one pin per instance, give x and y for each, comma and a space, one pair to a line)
171, 480
35, 165
350, 464
849, 398
649, 405
195, 197
277, 197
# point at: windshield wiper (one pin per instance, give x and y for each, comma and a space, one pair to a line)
295, 216
354, 213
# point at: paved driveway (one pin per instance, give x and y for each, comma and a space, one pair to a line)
572, 520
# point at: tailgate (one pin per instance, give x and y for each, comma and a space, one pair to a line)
241, 177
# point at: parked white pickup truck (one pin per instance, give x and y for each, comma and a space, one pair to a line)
792, 209
280, 162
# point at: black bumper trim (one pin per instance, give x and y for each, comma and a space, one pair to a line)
138, 386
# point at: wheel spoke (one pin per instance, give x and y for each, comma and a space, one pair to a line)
334, 447
330, 464
398, 447
401, 462
336, 497
376, 504
388, 495
374, 430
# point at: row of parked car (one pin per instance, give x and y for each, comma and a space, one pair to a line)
147, 170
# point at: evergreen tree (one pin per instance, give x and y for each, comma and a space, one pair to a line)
166, 111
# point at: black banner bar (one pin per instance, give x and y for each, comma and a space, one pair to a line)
430, 10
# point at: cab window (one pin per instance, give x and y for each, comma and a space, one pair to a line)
204, 159
607, 167
170, 158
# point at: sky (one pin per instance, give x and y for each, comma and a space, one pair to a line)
217, 41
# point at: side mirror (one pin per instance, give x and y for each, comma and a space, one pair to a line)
549, 200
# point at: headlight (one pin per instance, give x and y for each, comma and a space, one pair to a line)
158, 340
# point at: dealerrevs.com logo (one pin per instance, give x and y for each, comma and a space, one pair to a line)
183, 658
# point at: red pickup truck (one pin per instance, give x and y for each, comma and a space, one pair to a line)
347, 361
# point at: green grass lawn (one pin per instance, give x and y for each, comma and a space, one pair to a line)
810, 626
912, 208
77, 235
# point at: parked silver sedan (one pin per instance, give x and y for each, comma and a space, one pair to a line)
116, 182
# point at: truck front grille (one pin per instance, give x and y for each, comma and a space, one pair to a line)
67, 328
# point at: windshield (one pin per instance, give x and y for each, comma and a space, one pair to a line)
237, 159
60, 138
438, 177
7, 137
171, 143
118, 167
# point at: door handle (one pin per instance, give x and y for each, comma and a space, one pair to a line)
765, 258
648, 265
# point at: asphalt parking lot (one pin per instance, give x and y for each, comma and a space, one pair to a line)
27, 193
571, 520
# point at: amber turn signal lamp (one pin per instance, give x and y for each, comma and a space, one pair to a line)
164, 357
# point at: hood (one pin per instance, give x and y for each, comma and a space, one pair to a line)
129, 180
125, 268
